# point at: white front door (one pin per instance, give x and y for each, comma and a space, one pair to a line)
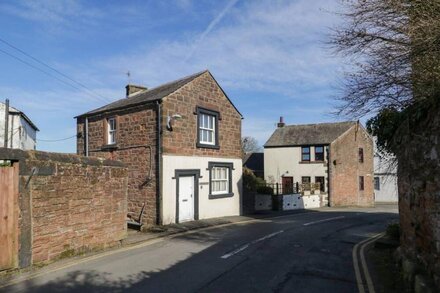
186, 198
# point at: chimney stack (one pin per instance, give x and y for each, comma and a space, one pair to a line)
131, 89
281, 123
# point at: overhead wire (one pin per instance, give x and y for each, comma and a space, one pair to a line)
55, 140
83, 87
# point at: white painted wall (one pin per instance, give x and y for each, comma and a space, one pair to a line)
385, 167
286, 161
208, 208
21, 134
298, 201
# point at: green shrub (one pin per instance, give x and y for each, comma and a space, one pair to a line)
250, 181
265, 189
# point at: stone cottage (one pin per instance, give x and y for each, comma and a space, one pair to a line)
338, 157
181, 143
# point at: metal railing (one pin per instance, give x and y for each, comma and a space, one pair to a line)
285, 188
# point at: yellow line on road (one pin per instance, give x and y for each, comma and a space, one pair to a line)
357, 268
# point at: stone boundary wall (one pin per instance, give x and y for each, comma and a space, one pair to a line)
68, 204
419, 194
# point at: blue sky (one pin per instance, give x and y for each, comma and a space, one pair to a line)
269, 57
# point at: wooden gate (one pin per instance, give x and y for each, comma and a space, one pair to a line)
8, 216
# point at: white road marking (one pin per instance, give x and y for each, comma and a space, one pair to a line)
234, 252
322, 221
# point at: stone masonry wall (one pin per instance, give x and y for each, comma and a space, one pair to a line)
345, 169
419, 193
203, 92
68, 204
136, 137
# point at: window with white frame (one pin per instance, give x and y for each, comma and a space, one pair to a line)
111, 130
220, 184
207, 128
219, 180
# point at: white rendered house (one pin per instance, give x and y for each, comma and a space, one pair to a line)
385, 177
22, 132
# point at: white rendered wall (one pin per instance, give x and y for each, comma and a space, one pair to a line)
388, 189
208, 208
385, 167
21, 134
286, 161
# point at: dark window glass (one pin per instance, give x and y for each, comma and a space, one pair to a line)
377, 183
305, 179
361, 182
305, 153
319, 153
321, 182
361, 155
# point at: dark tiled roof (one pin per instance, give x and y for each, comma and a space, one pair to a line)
308, 134
150, 95
254, 161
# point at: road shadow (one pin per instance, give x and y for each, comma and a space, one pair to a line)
272, 267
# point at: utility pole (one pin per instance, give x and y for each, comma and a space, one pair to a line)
6, 123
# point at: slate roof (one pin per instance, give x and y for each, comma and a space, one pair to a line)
146, 96
254, 161
308, 134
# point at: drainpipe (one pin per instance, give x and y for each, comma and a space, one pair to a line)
6, 123
86, 136
158, 163
328, 175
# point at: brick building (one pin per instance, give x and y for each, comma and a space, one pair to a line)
338, 156
181, 143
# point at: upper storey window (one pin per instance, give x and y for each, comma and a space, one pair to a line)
305, 153
207, 128
319, 153
111, 130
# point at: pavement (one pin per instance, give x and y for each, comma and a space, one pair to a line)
301, 251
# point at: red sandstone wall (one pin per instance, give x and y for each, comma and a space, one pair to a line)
203, 92
419, 196
136, 130
77, 204
345, 169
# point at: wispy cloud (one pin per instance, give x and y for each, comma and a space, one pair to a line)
268, 55
210, 27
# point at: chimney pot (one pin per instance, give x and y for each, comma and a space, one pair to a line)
281, 123
132, 88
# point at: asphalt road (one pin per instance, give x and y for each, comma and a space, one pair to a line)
310, 252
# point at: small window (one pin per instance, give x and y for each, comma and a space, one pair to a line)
376, 183
361, 155
305, 179
111, 130
207, 128
305, 153
319, 153
321, 182
220, 181
361, 182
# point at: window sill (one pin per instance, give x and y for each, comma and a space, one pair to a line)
224, 195
312, 162
109, 147
207, 146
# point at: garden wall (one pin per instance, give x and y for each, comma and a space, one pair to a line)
67, 204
